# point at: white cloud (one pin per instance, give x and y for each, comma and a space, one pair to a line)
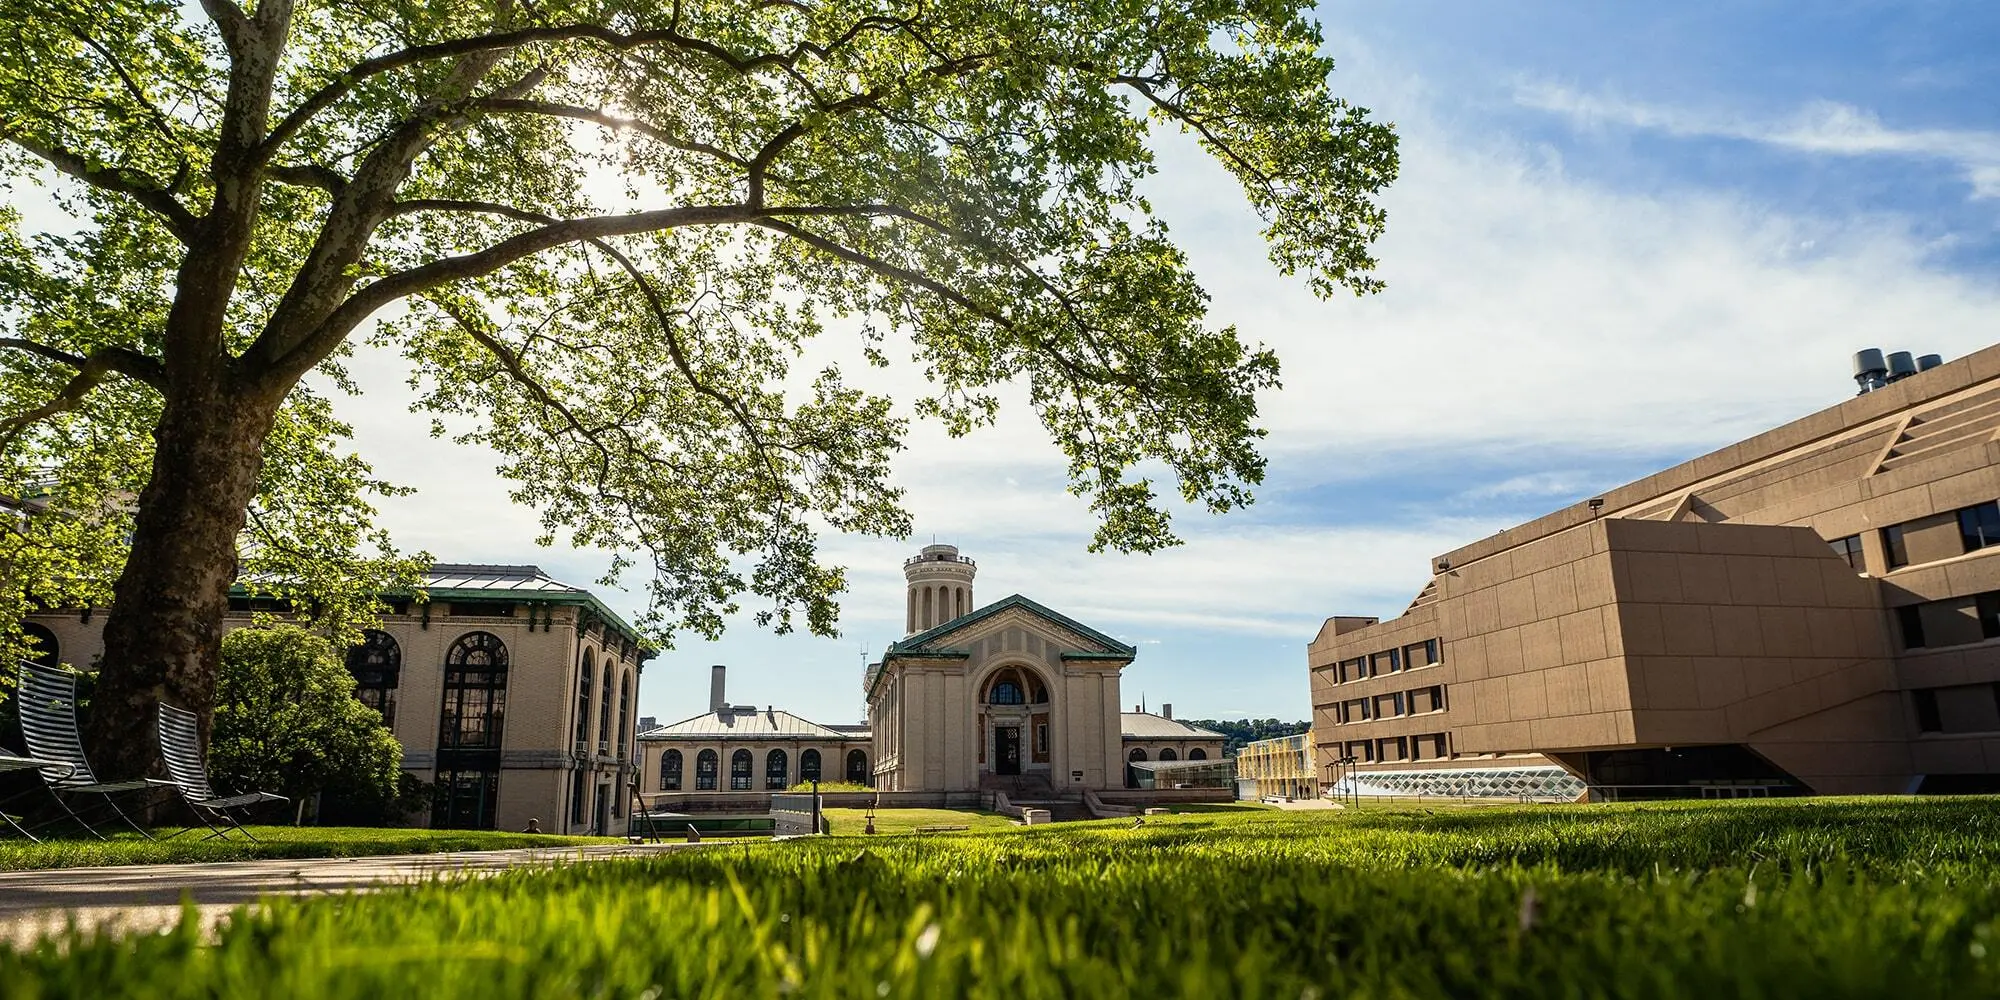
1568, 483
1827, 127
1533, 320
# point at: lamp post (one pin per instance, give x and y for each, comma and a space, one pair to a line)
1347, 774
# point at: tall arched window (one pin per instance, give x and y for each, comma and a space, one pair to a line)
583, 691
857, 767
47, 651
741, 764
475, 693
377, 666
777, 771
1167, 753
706, 767
809, 766
670, 771
1197, 754
604, 710
624, 715
471, 723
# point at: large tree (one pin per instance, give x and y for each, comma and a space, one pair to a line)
604, 230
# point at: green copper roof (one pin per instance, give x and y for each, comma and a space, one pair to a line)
910, 644
911, 648
525, 584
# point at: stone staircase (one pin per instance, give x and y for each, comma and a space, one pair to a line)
1033, 791
1018, 786
1060, 810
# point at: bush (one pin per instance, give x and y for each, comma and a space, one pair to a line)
286, 721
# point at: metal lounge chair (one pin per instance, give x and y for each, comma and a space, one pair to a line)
180, 746
47, 700
10, 763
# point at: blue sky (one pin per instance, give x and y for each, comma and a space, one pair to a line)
1625, 234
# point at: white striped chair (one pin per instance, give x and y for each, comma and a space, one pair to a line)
180, 746
47, 700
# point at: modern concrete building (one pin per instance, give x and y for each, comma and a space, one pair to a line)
1815, 609
741, 748
512, 691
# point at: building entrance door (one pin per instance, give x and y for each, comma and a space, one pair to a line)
1007, 744
603, 811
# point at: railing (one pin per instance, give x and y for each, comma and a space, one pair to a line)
1635, 793
797, 813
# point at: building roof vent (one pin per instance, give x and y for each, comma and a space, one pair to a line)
1901, 365
1929, 361
1871, 372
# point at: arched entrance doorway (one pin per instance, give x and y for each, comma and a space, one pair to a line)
1014, 722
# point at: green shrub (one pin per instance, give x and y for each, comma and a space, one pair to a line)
286, 721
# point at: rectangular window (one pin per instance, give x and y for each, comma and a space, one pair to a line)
1892, 543
1042, 738
1385, 662
1979, 525
1353, 670
1849, 550
1928, 720
1910, 617
1428, 699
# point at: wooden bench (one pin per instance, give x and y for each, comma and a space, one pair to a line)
941, 829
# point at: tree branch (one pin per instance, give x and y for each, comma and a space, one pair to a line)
1173, 109
134, 184
608, 121
132, 87
345, 83
89, 375
230, 20
125, 361
308, 175
654, 302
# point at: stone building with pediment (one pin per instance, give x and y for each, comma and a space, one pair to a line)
1010, 696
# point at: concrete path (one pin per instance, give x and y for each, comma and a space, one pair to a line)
147, 898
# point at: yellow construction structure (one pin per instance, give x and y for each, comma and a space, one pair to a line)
1277, 768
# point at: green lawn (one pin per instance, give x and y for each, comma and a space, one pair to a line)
1827, 898
851, 822
276, 842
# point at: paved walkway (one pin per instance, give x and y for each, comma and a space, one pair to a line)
144, 898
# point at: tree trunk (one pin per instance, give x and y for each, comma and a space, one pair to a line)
163, 637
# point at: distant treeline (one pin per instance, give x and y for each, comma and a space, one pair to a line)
1235, 734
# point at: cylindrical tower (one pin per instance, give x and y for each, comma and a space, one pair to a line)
940, 587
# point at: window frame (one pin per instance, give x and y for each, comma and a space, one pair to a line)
1850, 551
671, 770
1895, 549
1984, 530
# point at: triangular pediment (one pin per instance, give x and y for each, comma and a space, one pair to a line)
1010, 612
